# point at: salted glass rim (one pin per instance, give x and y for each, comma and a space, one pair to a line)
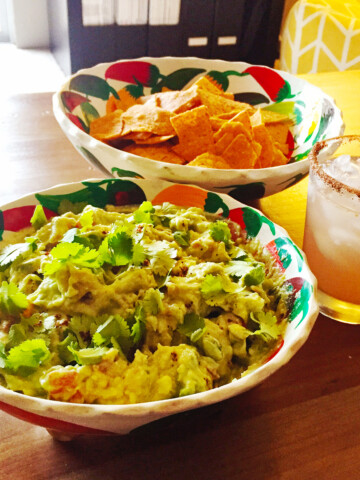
317, 168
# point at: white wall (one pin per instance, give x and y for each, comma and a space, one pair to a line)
28, 23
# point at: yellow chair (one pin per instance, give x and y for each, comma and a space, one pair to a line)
321, 36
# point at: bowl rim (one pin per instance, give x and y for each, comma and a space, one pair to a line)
67, 125
174, 405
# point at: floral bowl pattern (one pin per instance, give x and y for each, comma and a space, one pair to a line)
68, 419
84, 96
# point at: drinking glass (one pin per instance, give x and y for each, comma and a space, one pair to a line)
332, 227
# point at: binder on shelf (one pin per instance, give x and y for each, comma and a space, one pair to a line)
89, 44
228, 25
190, 35
131, 29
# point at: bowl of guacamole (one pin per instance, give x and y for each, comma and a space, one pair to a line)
123, 301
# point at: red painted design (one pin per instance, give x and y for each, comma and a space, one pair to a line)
237, 216
75, 120
52, 423
276, 351
17, 218
271, 246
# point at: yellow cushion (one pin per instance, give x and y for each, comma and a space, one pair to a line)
321, 36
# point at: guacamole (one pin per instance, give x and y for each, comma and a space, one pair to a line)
135, 304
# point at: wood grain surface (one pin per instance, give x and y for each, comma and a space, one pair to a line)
301, 423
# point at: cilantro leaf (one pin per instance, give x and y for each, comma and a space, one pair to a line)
268, 326
161, 257
212, 286
12, 301
73, 253
144, 213
74, 236
138, 327
117, 249
220, 232
38, 219
252, 273
83, 327
182, 238
139, 255
25, 358
193, 326
13, 252
115, 327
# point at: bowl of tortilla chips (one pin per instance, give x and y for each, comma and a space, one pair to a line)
231, 127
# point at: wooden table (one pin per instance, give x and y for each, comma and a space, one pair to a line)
301, 423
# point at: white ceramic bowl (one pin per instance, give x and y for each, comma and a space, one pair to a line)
74, 419
84, 96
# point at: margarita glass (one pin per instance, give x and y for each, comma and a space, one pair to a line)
332, 227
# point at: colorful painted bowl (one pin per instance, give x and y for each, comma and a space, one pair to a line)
84, 96
67, 419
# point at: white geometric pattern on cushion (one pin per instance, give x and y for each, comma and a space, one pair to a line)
320, 36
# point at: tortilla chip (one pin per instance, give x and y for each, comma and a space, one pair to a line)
283, 147
217, 123
218, 104
209, 160
154, 139
266, 156
147, 138
267, 116
240, 153
176, 101
278, 132
147, 118
194, 131
279, 158
162, 153
108, 127
226, 134
209, 84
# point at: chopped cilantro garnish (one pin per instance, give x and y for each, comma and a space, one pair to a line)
193, 326
12, 301
252, 273
13, 252
138, 327
73, 253
212, 286
25, 358
161, 257
144, 213
117, 249
268, 326
220, 232
138, 254
38, 219
116, 328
